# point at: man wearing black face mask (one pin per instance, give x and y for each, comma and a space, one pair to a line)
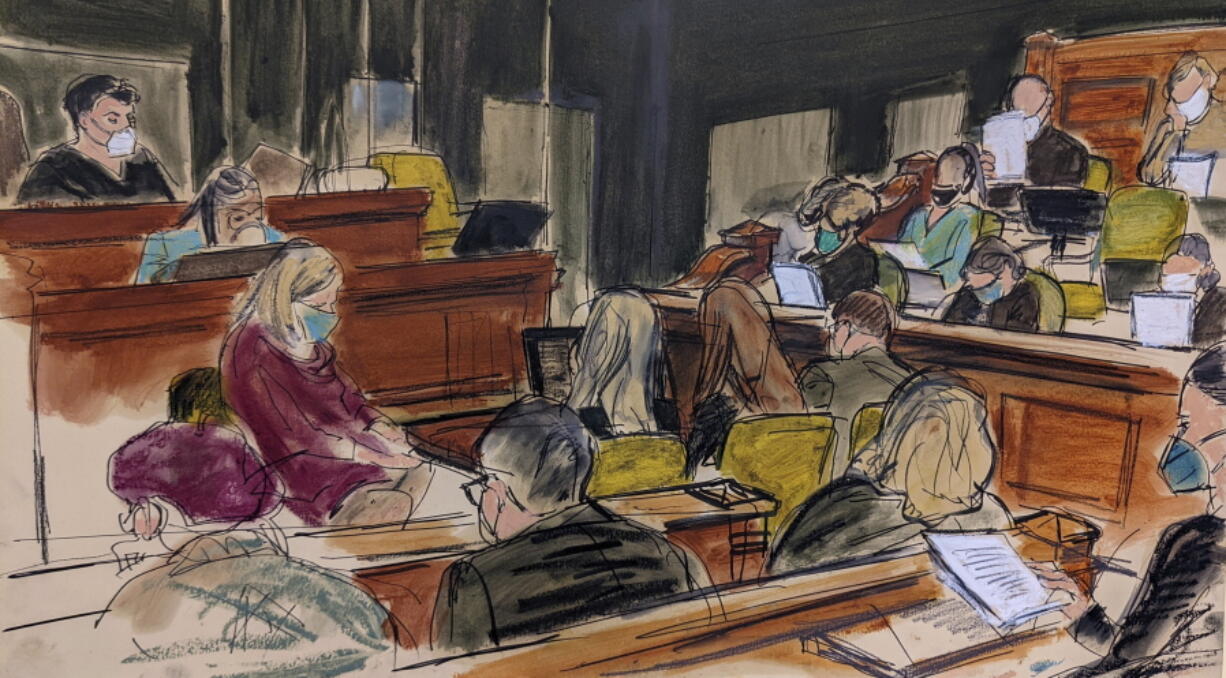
1174, 620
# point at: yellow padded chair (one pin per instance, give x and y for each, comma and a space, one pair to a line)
1098, 175
1083, 300
414, 170
787, 455
636, 462
865, 426
989, 224
1141, 221
1051, 301
891, 278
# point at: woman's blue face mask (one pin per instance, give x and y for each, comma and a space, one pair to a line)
319, 324
827, 241
1184, 468
990, 293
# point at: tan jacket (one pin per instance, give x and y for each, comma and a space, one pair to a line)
1205, 136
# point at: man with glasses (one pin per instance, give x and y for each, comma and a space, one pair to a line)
554, 558
858, 369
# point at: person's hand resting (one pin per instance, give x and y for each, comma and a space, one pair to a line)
1056, 580
987, 161
1179, 122
406, 456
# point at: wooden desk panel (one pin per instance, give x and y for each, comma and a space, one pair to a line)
88, 247
1081, 424
423, 339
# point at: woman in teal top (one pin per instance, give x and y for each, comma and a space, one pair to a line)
944, 230
227, 212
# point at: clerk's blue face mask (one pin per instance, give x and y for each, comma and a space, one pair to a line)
1184, 468
319, 324
990, 293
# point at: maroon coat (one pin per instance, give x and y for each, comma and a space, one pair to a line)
306, 418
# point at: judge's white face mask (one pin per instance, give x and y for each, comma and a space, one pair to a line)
1195, 106
1030, 127
122, 143
1179, 282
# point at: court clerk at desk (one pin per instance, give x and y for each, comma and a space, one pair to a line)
104, 163
227, 212
943, 230
995, 292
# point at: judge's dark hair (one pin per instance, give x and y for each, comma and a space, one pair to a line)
86, 90
224, 186
993, 255
1208, 373
195, 392
1196, 246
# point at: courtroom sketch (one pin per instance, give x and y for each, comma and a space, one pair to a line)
573, 337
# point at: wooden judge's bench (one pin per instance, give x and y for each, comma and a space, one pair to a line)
426, 340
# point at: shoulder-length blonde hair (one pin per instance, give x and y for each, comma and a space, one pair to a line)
301, 269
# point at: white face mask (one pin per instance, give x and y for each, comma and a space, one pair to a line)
1195, 106
1179, 282
1031, 126
122, 143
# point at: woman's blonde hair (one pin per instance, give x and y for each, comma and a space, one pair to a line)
619, 361
301, 269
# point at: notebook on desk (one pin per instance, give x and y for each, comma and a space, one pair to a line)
906, 253
798, 285
229, 262
1163, 319
1192, 174
925, 289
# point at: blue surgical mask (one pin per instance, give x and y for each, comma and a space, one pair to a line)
990, 293
1184, 468
319, 324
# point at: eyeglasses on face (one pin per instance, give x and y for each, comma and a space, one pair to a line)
475, 489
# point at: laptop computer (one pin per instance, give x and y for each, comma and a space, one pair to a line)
230, 262
925, 289
500, 226
798, 285
1163, 319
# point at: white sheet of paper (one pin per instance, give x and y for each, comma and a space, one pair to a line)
798, 285
1004, 136
985, 570
906, 253
1192, 174
1163, 319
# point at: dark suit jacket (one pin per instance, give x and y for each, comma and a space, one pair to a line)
1209, 323
1056, 159
580, 563
855, 268
1175, 617
1017, 311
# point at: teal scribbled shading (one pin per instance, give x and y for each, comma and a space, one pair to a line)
1041, 666
260, 610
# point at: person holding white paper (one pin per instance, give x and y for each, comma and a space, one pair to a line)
1173, 623
1194, 126
1053, 158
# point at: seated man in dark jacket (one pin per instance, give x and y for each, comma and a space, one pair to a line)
556, 559
995, 292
